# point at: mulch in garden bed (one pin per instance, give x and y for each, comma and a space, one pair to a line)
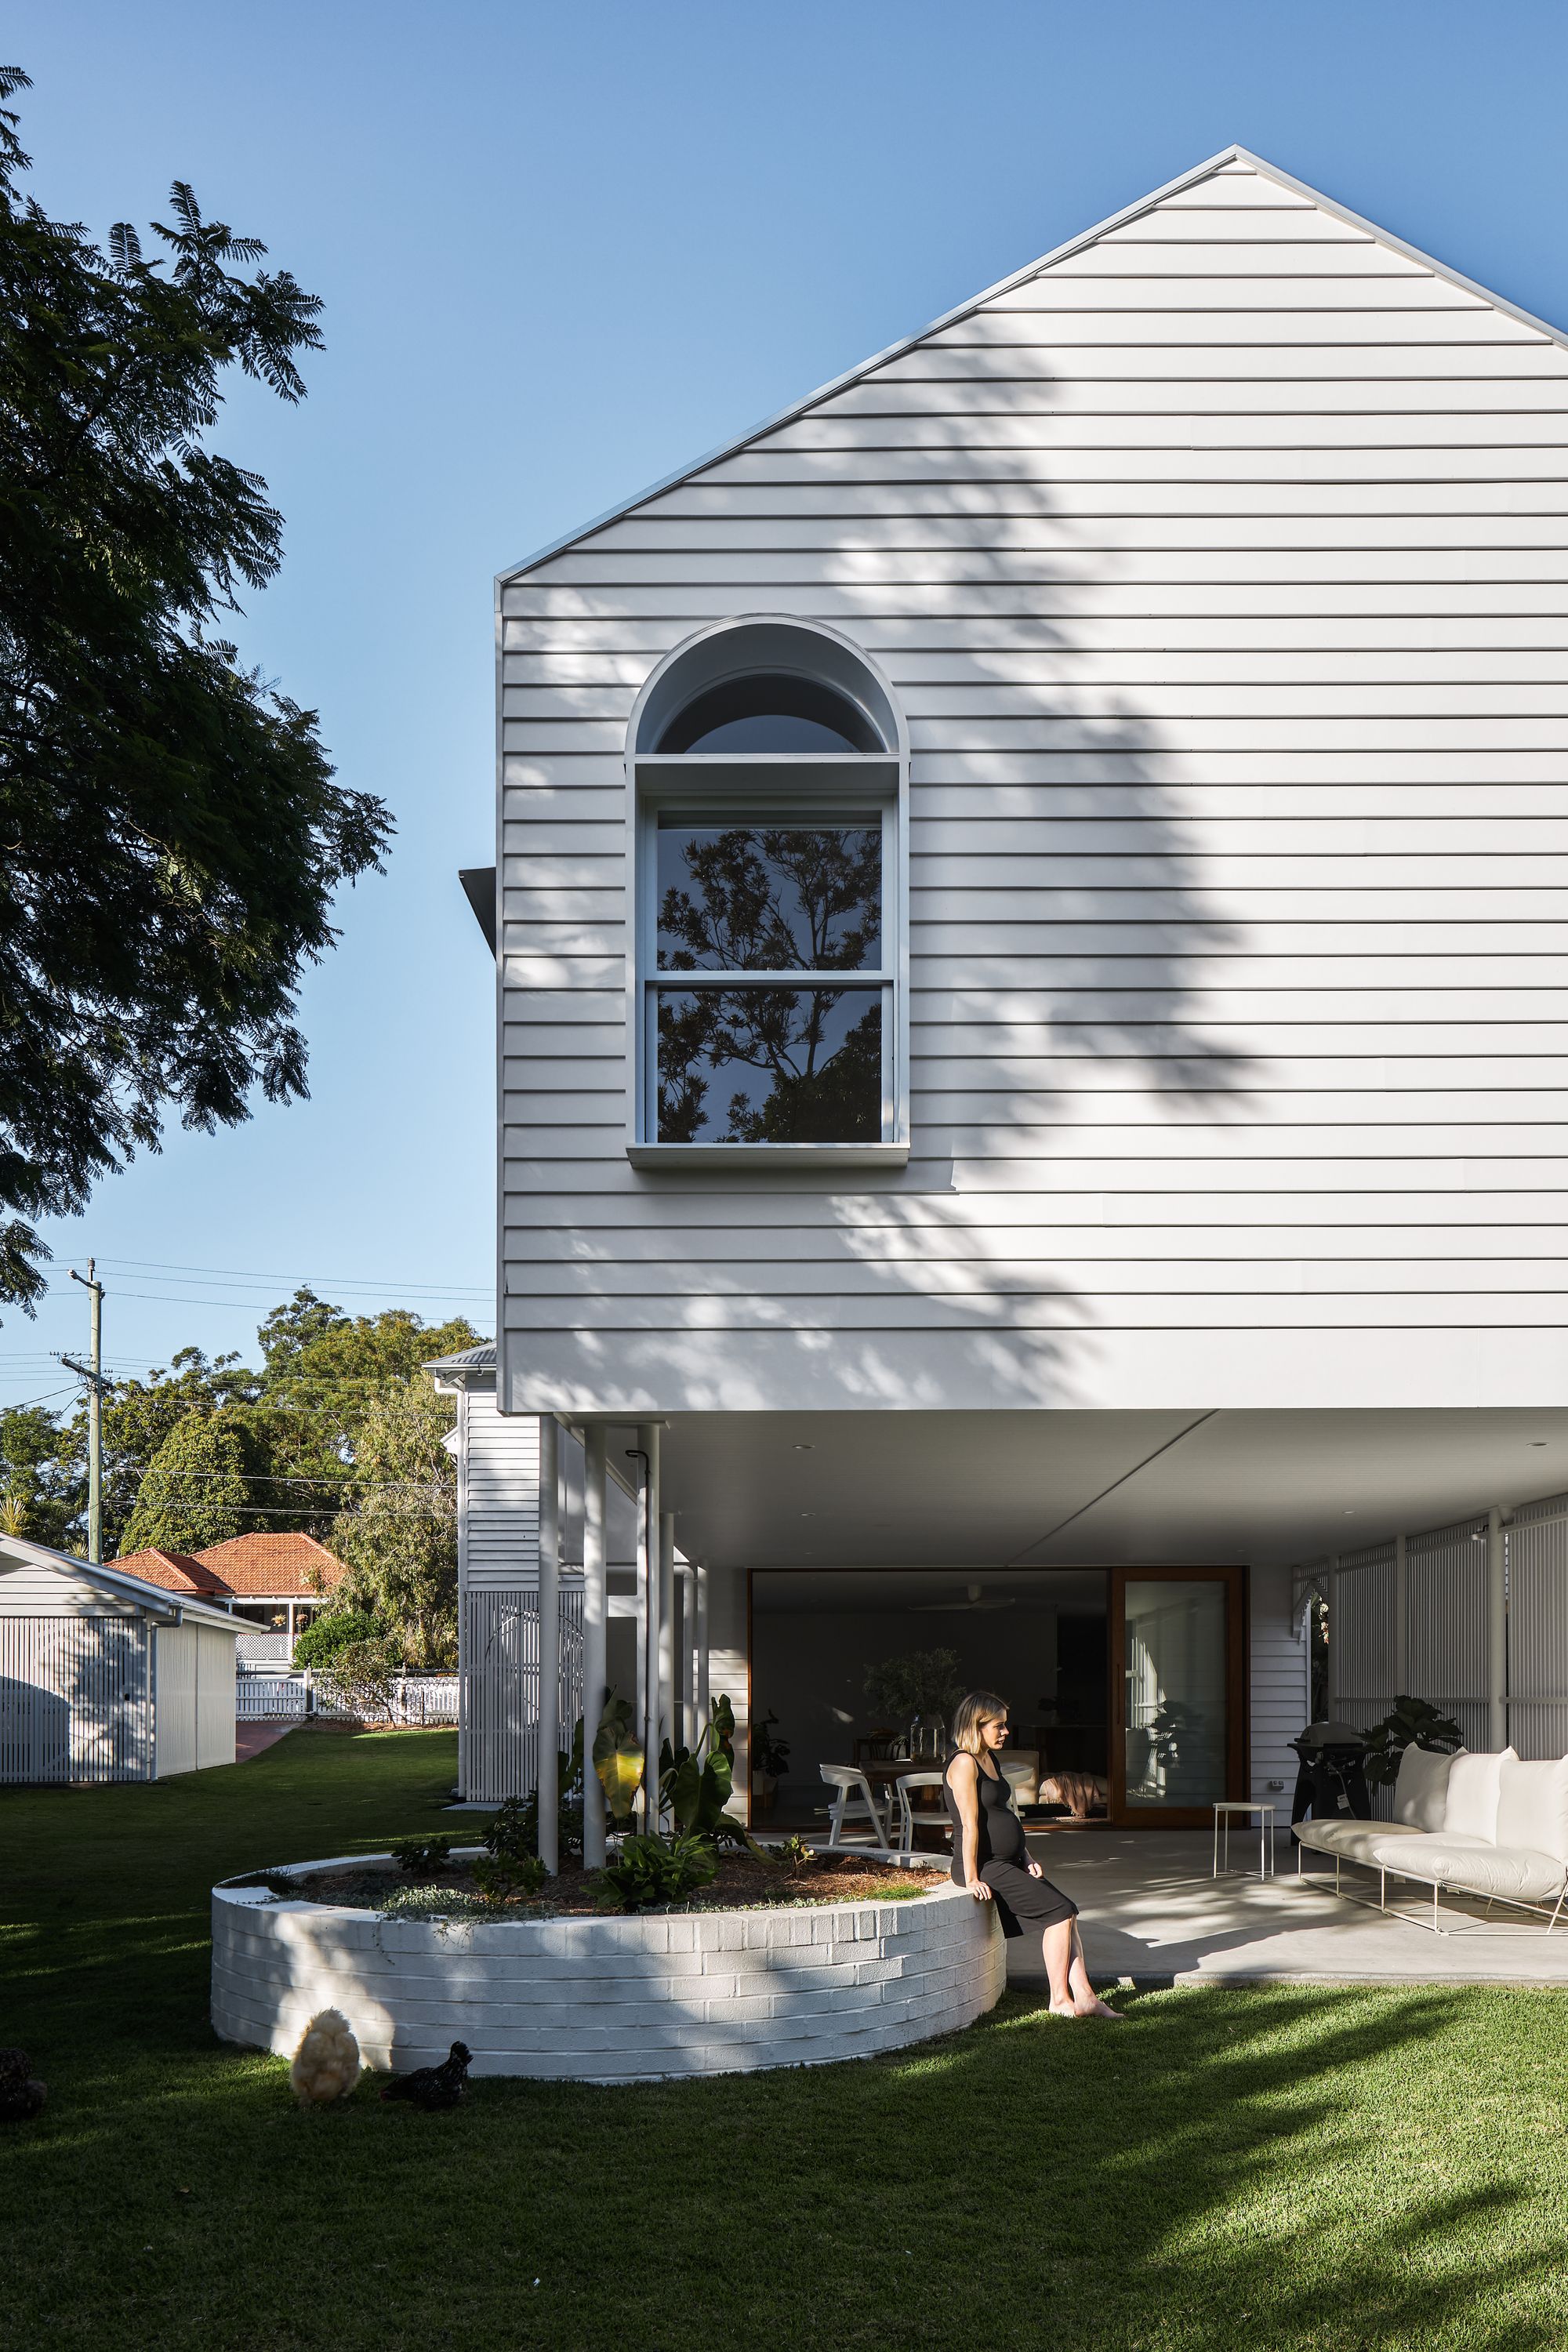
743, 1884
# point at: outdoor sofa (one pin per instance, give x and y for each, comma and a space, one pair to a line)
1481, 1825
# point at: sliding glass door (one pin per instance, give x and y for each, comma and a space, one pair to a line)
1178, 1693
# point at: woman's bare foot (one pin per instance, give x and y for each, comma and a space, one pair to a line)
1065, 2008
1098, 2007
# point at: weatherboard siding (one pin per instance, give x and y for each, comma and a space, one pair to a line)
1222, 571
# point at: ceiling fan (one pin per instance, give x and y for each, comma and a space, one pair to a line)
976, 1600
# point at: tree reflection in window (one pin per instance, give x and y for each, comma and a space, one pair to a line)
770, 1065
758, 1063
775, 898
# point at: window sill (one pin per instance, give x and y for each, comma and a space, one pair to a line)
768, 1156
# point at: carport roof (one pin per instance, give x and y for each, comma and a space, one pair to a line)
1091, 1489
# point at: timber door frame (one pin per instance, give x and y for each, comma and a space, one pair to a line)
1237, 1733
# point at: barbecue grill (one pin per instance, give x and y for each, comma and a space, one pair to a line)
1331, 1782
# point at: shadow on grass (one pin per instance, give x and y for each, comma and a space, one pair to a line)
1286, 2168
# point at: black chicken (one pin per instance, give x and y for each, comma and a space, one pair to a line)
22, 2095
434, 2087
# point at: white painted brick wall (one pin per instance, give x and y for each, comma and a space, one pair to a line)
609, 1999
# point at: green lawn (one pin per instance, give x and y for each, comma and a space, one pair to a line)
1273, 2168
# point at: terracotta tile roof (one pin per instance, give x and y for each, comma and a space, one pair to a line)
282, 1567
176, 1572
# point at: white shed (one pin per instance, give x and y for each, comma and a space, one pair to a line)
106, 1677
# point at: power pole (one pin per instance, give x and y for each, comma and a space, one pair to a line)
92, 1373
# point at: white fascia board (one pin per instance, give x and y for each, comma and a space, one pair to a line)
1394, 244
853, 376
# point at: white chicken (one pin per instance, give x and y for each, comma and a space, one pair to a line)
326, 2065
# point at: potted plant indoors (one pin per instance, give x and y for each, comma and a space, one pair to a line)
770, 1759
921, 1688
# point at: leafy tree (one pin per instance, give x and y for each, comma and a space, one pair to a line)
139, 1419
398, 1536
173, 836
289, 1330
196, 1489
333, 1630
291, 1435
331, 1358
362, 1675
40, 1496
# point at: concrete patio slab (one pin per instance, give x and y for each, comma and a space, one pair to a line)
1152, 1912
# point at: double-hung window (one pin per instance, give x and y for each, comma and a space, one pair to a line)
767, 1003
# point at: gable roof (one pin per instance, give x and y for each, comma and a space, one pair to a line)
272, 1566
799, 408
266, 1566
176, 1572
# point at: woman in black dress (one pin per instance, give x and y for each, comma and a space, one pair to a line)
992, 1858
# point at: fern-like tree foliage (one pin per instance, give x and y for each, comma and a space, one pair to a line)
397, 1538
171, 836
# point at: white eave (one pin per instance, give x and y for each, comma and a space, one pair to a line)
469, 1368
1005, 286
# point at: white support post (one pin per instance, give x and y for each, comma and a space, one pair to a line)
549, 1641
1497, 1631
704, 1701
1332, 1694
596, 1613
640, 1608
687, 1586
670, 1728
291, 1633
1401, 1619
647, 1587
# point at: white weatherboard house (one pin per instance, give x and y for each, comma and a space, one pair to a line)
1033, 928
104, 1676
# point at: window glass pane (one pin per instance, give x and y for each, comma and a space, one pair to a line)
1174, 1662
769, 898
770, 1065
770, 711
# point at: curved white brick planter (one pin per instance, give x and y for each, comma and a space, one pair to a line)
608, 1999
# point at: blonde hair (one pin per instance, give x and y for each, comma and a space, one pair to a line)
980, 1707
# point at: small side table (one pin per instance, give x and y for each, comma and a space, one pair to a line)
1247, 1806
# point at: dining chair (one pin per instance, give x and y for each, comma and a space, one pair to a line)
853, 1802
907, 1816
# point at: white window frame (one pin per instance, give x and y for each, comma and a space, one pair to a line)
780, 787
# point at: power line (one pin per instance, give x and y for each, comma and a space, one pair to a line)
303, 1282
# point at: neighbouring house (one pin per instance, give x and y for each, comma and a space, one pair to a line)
1031, 922
272, 1584
106, 1676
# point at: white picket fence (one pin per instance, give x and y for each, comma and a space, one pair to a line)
417, 1699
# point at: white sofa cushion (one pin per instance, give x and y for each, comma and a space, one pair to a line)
1475, 1783
1350, 1841
1532, 1806
1420, 1793
1472, 1866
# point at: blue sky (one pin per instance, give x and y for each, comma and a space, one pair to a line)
565, 248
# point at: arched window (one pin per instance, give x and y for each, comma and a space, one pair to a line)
770, 711
767, 767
